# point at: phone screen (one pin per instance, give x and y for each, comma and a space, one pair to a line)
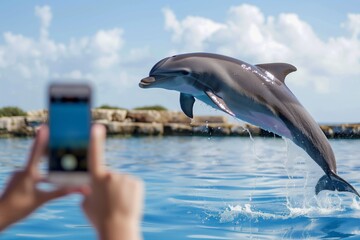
69, 124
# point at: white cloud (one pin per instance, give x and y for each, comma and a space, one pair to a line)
137, 54
191, 32
108, 41
107, 45
28, 63
2, 58
353, 24
45, 15
249, 35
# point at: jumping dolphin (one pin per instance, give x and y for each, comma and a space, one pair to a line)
256, 94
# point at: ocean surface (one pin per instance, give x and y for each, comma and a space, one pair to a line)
210, 188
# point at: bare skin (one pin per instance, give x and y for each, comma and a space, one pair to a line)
114, 206
21, 196
113, 201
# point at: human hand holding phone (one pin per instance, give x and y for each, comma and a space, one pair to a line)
21, 195
112, 201
114, 205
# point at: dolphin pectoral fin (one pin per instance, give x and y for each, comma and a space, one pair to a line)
334, 182
279, 70
187, 103
218, 101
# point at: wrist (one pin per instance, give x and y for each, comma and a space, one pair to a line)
121, 229
4, 217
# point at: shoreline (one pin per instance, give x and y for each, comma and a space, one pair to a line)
161, 123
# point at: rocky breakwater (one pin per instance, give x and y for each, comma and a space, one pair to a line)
165, 123
342, 131
159, 123
20, 126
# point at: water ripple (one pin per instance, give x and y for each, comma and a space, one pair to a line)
218, 188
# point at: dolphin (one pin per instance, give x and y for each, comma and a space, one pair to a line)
256, 94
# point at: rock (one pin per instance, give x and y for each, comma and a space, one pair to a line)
357, 129
102, 121
174, 117
212, 130
238, 130
109, 114
38, 113
341, 131
253, 130
121, 128
35, 121
209, 119
119, 115
149, 129
220, 130
145, 116
128, 120
101, 114
177, 129
12, 124
134, 128
201, 130
24, 131
327, 131
152, 122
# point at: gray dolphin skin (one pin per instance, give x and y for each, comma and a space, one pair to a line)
256, 94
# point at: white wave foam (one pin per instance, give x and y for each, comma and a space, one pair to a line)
233, 212
320, 209
355, 203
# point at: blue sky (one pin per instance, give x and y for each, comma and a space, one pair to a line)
115, 44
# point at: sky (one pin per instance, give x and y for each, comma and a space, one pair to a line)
114, 44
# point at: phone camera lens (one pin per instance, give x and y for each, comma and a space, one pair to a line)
68, 162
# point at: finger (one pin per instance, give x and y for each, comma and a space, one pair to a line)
45, 196
38, 149
85, 204
96, 151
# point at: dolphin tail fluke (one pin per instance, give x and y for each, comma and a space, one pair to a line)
333, 182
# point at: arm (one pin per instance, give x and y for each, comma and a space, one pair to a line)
21, 196
114, 206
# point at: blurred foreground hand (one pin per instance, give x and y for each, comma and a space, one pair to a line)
21, 196
114, 204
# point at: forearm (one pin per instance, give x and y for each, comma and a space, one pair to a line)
10, 214
5, 219
127, 231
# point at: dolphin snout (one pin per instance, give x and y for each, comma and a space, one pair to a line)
146, 81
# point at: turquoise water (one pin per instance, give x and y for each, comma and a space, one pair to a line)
211, 188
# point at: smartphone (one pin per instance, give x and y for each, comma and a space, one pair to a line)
69, 133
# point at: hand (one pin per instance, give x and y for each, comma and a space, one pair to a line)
114, 205
21, 196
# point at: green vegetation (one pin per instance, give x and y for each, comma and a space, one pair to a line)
105, 106
154, 107
11, 111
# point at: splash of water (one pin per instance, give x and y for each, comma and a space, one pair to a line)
235, 212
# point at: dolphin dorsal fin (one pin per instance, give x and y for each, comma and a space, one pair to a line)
187, 103
279, 70
219, 102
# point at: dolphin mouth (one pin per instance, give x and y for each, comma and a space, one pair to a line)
147, 81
